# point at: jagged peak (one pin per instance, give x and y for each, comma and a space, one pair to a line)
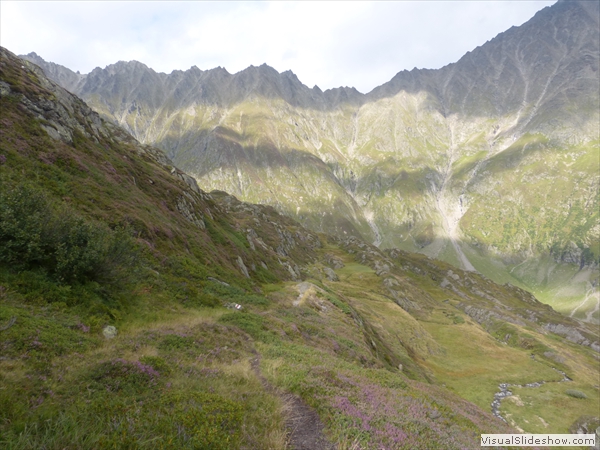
219, 69
131, 63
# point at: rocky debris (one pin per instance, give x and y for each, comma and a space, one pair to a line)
381, 268
403, 302
333, 261
308, 294
448, 285
330, 274
242, 266
287, 241
4, 89
253, 239
483, 315
504, 391
572, 334
498, 397
109, 332
292, 268
186, 208
453, 275
390, 282
571, 254
368, 255
250, 237
218, 281
587, 425
284, 238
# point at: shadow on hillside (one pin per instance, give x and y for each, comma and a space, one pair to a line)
224, 148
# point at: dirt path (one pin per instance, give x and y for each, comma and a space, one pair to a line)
302, 422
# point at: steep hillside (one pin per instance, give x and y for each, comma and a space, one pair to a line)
225, 310
490, 163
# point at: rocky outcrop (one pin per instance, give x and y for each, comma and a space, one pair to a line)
572, 334
330, 274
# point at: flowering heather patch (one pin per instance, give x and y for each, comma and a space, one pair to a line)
464, 411
84, 328
120, 374
386, 418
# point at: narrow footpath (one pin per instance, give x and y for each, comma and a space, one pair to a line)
302, 422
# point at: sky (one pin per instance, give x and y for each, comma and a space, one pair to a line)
329, 44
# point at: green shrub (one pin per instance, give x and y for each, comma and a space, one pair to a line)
253, 324
157, 363
229, 293
575, 393
24, 234
36, 233
456, 319
173, 342
122, 375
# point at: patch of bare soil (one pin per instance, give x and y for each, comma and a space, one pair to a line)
303, 423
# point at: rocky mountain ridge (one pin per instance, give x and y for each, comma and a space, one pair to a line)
489, 163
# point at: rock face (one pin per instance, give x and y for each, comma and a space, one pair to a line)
495, 155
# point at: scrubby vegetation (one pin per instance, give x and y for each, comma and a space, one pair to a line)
36, 234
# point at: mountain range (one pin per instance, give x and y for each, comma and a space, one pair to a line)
490, 163
138, 310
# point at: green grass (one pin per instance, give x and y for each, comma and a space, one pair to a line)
550, 408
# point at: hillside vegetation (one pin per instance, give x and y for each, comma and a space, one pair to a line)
235, 326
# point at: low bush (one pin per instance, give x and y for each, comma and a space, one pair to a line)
575, 393
157, 363
253, 324
37, 233
119, 374
173, 342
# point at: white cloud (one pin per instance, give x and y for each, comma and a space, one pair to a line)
360, 44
